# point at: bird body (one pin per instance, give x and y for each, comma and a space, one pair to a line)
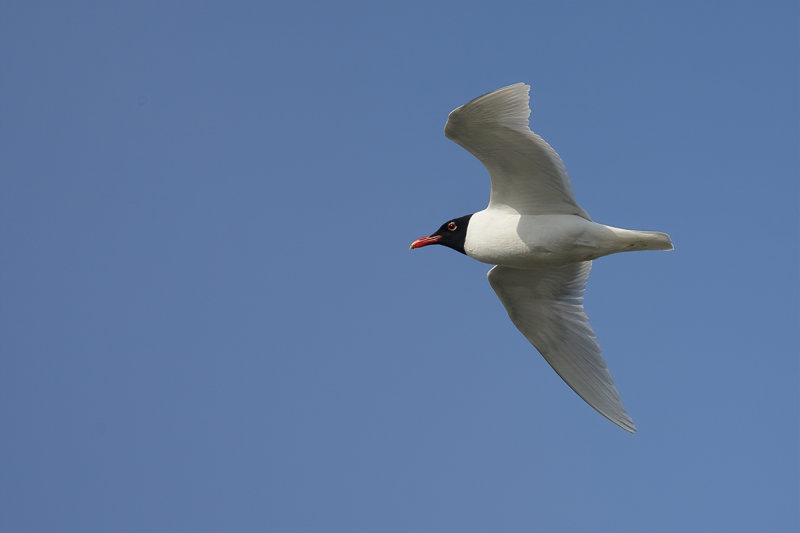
505, 238
540, 240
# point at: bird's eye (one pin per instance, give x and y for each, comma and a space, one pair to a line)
451, 226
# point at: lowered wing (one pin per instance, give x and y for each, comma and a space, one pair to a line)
546, 305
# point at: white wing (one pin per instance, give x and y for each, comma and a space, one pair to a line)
546, 305
527, 174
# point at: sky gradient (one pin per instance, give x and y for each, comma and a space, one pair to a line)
210, 319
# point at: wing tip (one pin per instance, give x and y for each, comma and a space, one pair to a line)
626, 424
621, 418
509, 105
618, 416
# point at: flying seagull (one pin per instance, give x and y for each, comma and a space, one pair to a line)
539, 239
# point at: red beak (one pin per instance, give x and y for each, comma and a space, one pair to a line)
425, 241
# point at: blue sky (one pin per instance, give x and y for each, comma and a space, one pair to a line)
210, 319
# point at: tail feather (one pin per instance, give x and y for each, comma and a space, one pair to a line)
655, 240
628, 240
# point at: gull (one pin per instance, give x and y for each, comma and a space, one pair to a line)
540, 240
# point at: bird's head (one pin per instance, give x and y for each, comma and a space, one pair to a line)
452, 234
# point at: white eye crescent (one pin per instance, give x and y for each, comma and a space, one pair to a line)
451, 226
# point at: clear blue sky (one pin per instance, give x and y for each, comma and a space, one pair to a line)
210, 320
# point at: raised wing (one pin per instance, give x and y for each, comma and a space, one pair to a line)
546, 305
527, 175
